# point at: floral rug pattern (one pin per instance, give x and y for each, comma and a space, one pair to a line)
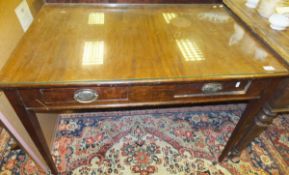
280, 136
182, 141
15, 162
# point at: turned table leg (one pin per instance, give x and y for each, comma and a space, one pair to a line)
260, 124
242, 126
252, 122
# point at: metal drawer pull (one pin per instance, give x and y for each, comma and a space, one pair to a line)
85, 95
212, 88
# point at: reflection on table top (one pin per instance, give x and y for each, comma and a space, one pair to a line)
278, 40
85, 44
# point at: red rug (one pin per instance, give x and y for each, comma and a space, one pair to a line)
183, 141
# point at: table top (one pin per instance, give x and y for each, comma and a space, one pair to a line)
82, 44
278, 40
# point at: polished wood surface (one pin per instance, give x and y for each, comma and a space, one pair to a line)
278, 40
78, 44
134, 1
278, 92
136, 56
10, 35
10, 28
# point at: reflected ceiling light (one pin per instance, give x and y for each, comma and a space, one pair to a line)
169, 16
96, 18
93, 53
190, 50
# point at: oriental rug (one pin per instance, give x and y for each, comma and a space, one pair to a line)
172, 141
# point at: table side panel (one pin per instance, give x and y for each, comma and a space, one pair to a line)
280, 102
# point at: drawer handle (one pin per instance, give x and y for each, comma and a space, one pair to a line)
212, 88
85, 95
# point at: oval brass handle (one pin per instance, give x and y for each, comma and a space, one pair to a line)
212, 87
85, 95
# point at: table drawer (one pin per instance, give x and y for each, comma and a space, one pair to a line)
185, 91
140, 95
73, 96
212, 89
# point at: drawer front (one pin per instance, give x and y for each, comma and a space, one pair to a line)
212, 89
68, 95
73, 96
188, 91
140, 95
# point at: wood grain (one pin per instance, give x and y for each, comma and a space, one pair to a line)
278, 40
10, 29
136, 43
10, 34
154, 54
133, 1
277, 94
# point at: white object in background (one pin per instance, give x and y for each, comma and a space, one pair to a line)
267, 7
252, 3
282, 10
237, 36
279, 22
24, 15
260, 54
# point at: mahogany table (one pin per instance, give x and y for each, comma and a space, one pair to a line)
77, 58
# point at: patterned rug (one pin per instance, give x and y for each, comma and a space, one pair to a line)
15, 162
182, 141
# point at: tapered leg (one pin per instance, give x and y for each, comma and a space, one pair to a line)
260, 124
31, 124
247, 118
248, 122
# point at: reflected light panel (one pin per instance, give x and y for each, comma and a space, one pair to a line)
190, 50
96, 18
169, 16
93, 53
